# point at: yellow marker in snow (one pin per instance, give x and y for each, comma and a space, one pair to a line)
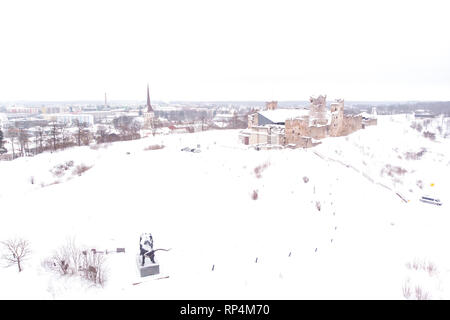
432, 184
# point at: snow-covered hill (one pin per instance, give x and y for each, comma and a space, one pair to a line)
371, 238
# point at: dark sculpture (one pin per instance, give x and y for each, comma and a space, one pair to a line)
146, 247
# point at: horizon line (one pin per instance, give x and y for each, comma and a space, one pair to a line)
190, 100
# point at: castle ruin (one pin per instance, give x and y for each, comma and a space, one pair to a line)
300, 128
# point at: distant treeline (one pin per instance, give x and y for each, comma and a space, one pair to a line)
436, 108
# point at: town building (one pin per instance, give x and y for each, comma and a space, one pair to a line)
70, 118
3, 120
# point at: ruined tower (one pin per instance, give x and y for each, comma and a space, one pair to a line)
271, 105
317, 110
337, 118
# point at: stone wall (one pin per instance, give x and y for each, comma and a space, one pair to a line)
351, 124
369, 122
296, 129
298, 132
267, 135
318, 132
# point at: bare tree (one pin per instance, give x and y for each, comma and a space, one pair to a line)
156, 123
123, 124
203, 119
82, 132
102, 134
1, 138
38, 139
13, 134
17, 250
65, 136
23, 138
2, 149
54, 134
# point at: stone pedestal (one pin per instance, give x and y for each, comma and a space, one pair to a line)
148, 269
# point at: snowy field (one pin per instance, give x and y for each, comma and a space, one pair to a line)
371, 239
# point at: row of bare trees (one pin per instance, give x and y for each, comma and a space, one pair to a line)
51, 138
55, 136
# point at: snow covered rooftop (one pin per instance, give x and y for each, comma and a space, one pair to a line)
366, 115
280, 115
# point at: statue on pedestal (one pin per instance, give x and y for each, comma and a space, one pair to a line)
146, 247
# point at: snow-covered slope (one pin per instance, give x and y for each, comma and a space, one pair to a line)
364, 242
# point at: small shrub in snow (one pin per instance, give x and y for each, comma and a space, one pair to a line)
259, 169
416, 265
429, 135
391, 170
318, 206
423, 265
95, 147
431, 268
421, 294
407, 290
60, 170
415, 155
100, 145
66, 259
16, 251
154, 147
305, 179
419, 127
255, 195
93, 266
80, 169
419, 183
71, 260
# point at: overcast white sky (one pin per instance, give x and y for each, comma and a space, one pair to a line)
224, 50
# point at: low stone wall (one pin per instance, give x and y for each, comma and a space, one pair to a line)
369, 122
295, 130
350, 125
318, 132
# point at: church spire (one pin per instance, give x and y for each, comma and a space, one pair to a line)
149, 106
